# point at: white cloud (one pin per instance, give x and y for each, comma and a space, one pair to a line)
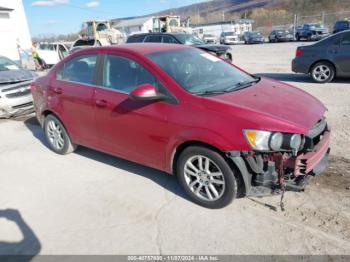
93, 4
50, 2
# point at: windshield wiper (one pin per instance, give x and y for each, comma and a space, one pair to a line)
210, 92
242, 85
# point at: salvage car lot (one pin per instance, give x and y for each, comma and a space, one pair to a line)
92, 203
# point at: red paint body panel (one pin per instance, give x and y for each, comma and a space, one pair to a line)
148, 132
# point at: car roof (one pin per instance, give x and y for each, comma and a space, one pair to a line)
139, 48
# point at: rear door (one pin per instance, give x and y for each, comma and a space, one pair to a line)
343, 56
72, 91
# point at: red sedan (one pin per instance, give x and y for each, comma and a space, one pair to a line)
222, 131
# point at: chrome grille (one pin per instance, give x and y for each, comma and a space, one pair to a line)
18, 94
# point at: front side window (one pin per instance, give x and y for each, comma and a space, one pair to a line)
80, 69
123, 74
199, 72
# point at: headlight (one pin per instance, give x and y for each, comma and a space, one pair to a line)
272, 141
295, 141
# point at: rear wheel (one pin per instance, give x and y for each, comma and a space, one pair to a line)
297, 37
322, 72
206, 177
57, 136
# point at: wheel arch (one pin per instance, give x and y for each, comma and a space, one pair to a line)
326, 61
47, 112
181, 147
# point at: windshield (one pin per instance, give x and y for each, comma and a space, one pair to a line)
255, 34
199, 72
229, 34
208, 35
7, 65
187, 39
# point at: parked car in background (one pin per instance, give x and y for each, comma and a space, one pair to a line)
84, 43
209, 39
341, 25
223, 132
326, 59
183, 39
52, 53
15, 96
229, 38
253, 38
280, 36
311, 32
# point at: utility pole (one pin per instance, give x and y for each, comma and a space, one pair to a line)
223, 16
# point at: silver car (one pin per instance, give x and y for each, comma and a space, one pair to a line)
15, 95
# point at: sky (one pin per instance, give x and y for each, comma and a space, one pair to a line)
50, 17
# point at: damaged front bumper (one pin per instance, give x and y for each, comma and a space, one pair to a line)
270, 172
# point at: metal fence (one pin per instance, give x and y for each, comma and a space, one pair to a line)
291, 22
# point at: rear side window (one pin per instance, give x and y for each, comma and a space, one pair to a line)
346, 39
80, 70
123, 74
168, 39
135, 39
153, 39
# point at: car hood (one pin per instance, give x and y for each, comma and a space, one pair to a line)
13, 76
217, 49
273, 105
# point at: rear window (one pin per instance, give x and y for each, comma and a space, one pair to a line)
82, 42
135, 39
342, 25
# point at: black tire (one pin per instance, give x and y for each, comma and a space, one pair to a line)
229, 189
309, 38
68, 146
297, 37
325, 65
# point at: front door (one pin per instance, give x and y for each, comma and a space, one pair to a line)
135, 130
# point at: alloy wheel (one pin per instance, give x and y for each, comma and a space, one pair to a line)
55, 135
321, 73
204, 178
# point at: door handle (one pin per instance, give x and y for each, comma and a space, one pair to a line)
58, 90
101, 103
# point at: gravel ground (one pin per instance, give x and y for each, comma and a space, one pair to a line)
92, 203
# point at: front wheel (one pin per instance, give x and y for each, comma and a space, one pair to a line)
206, 177
57, 136
322, 72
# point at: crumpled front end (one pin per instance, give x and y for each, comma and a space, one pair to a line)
265, 173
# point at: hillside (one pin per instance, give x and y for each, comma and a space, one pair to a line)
264, 12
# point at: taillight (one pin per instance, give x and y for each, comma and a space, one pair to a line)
299, 52
32, 86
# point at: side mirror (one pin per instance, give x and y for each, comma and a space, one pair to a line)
145, 92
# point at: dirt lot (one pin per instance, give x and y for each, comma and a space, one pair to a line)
92, 203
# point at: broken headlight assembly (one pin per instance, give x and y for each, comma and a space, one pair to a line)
272, 141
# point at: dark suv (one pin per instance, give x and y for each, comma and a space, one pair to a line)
182, 39
341, 25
